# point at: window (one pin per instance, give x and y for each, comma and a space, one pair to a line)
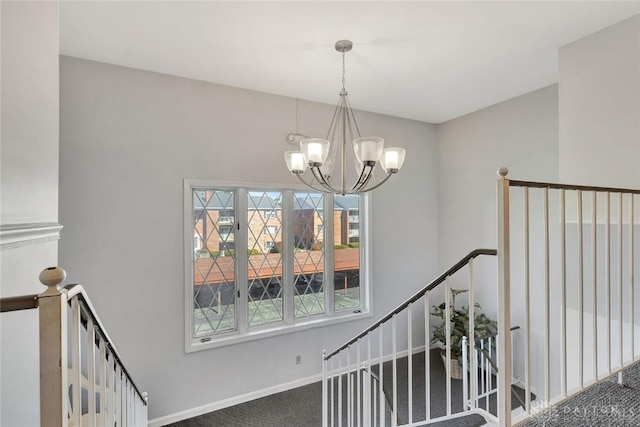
347, 271
225, 233
213, 277
271, 230
270, 214
225, 216
295, 272
269, 245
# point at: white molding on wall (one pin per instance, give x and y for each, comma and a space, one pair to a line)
17, 235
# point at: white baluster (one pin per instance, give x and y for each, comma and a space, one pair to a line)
409, 310
76, 374
91, 373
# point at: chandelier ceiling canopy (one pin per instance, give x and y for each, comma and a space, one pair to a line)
319, 155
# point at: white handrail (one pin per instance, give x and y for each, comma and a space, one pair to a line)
589, 256
120, 401
561, 262
366, 398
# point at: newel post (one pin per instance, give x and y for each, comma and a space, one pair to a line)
53, 349
504, 301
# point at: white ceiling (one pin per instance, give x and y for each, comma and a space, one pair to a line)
424, 60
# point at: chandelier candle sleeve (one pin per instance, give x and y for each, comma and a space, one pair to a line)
392, 159
314, 150
368, 149
295, 162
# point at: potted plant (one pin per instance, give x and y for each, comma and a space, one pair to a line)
459, 320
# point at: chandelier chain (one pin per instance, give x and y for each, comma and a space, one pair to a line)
296, 115
343, 71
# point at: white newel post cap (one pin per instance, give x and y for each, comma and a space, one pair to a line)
503, 171
52, 277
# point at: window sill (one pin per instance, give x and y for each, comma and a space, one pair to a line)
273, 331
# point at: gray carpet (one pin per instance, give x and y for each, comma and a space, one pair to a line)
437, 400
298, 407
605, 404
302, 407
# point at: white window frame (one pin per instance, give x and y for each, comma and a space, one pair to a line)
289, 324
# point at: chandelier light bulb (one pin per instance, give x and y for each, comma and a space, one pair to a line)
315, 153
368, 149
295, 162
392, 159
314, 150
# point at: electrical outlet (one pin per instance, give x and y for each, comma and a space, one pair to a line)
298, 359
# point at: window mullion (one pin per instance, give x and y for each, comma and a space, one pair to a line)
287, 255
365, 251
241, 244
328, 255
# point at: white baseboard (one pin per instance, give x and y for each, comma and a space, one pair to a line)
236, 400
215, 406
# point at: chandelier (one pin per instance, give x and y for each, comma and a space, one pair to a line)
319, 155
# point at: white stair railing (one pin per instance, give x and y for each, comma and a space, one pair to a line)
359, 391
567, 257
83, 381
481, 390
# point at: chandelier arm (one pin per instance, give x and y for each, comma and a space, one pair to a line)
363, 179
378, 184
333, 121
331, 134
353, 116
317, 173
309, 184
355, 160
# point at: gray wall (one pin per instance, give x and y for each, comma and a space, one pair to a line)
599, 144
600, 107
521, 134
586, 130
28, 189
128, 138
29, 184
